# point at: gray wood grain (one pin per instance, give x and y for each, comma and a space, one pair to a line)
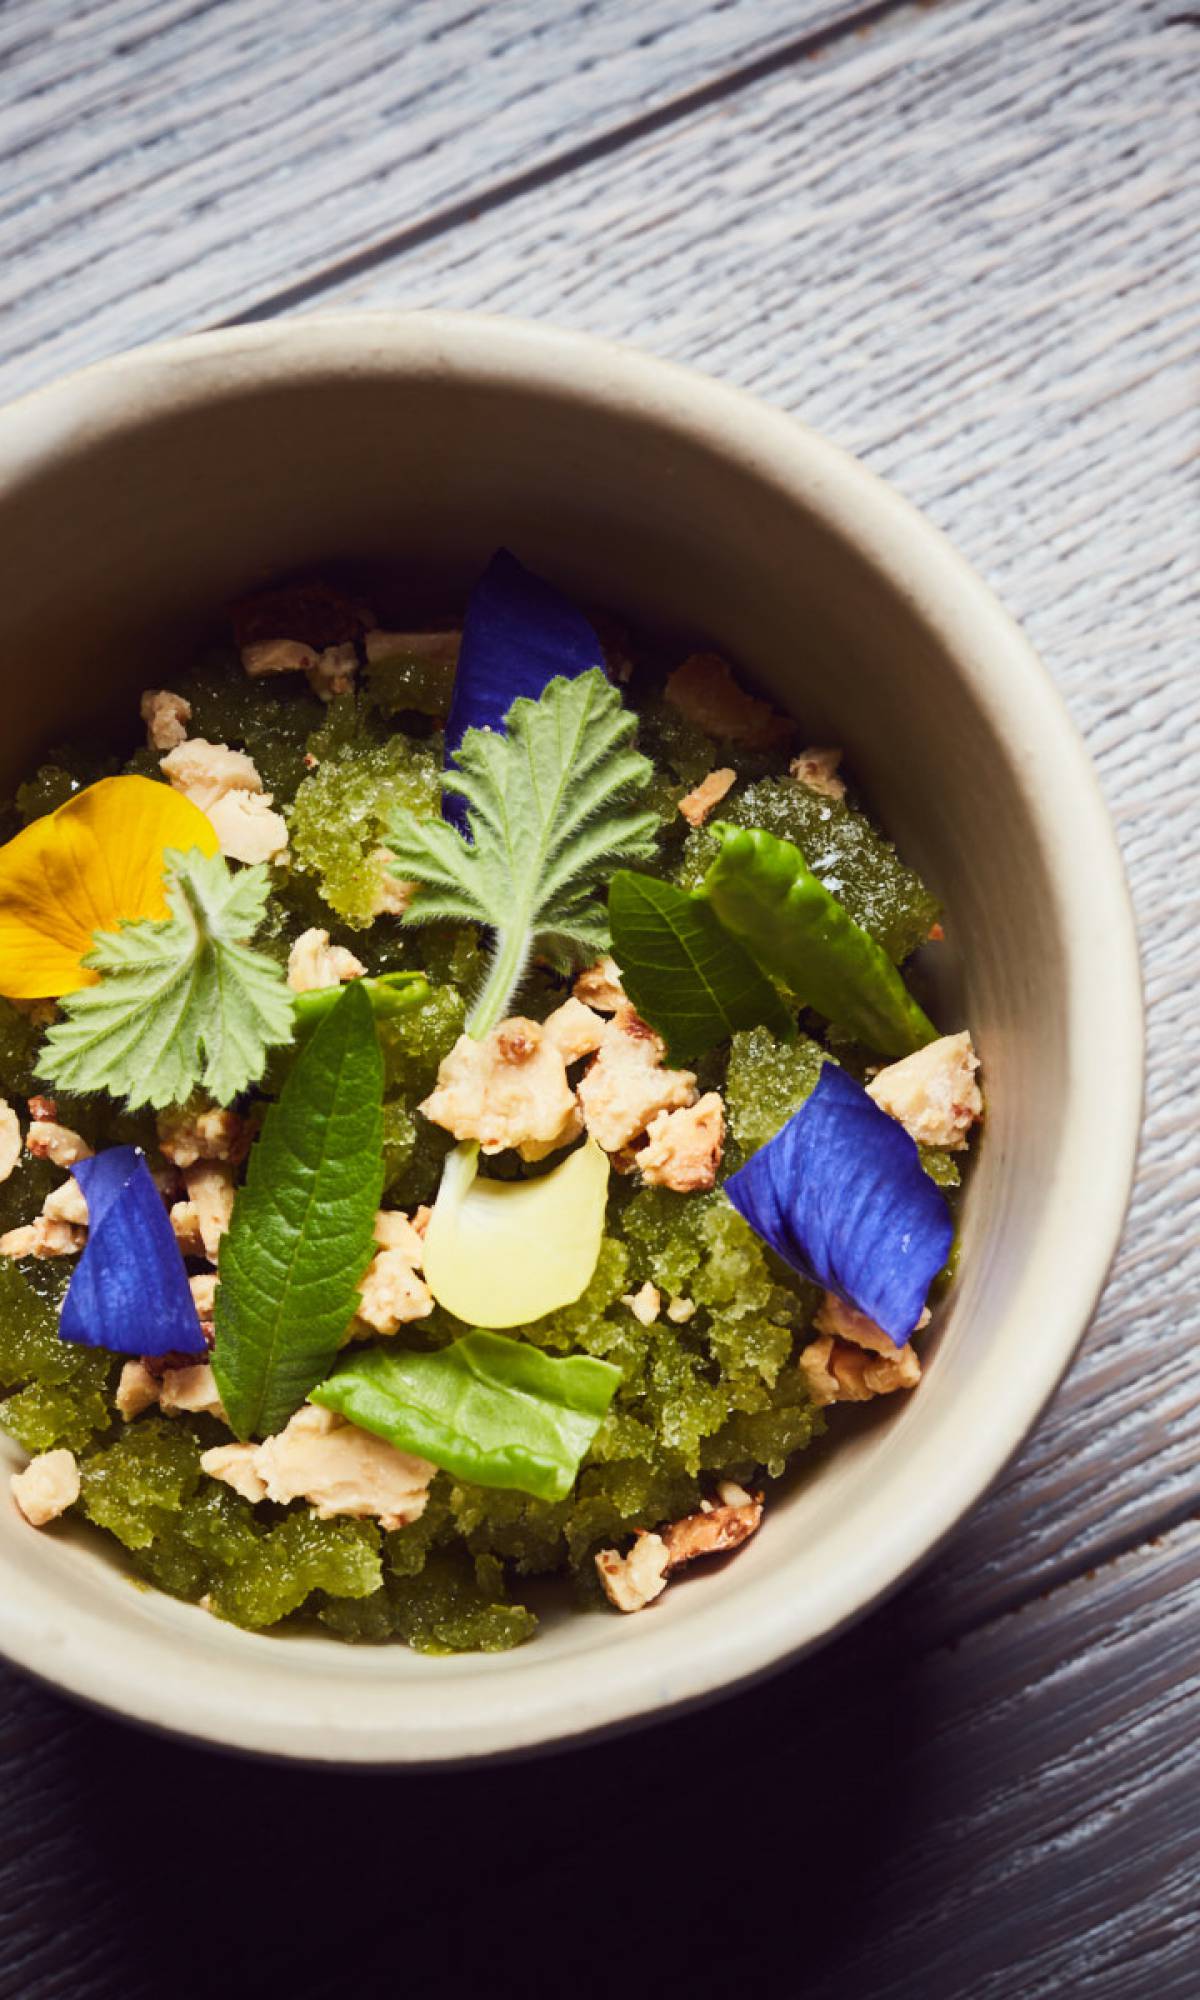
274, 139
966, 246
1012, 1818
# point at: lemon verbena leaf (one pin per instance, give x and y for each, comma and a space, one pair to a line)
302, 1232
548, 818
182, 1001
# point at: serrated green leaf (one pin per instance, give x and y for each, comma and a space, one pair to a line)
302, 1232
548, 819
180, 1002
491, 1410
683, 971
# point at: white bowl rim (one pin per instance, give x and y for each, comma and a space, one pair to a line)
469, 1719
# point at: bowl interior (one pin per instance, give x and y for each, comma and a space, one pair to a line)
141, 496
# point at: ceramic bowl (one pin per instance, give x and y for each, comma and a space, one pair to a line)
140, 494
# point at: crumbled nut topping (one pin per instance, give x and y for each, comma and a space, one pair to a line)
818, 769
704, 690
933, 1093
697, 804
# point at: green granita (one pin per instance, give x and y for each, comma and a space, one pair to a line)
767, 1081
338, 815
407, 682
134, 1486
710, 1389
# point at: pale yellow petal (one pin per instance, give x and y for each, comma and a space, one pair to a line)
502, 1253
97, 861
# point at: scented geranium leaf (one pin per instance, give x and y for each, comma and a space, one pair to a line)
683, 971
764, 891
493, 1411
548, 820
841, 1195
181, 1001
302, 1229
129, 1292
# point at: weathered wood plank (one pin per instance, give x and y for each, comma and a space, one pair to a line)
1010, 1819
966, 247
167, 163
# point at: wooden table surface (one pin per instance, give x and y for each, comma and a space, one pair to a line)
961, 238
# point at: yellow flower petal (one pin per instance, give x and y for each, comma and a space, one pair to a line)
97, 861
502, 1253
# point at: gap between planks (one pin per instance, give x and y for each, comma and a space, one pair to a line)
688, 104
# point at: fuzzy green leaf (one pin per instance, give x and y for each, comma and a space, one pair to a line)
546, 805
182, 1001
683, 971
491, 1410
302, 1229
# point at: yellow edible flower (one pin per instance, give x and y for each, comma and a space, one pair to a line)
94, 863
502, 1253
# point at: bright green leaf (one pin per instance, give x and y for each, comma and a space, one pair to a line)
546, 807
764, 891
493, 1411
683, 971
391, 993
181, 1001
303, 1226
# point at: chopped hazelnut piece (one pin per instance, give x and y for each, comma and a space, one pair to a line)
333, 671
45, 1237
47, 1487
704, 690
67, 1203
933, 1093
645, 1304
511, 1087
190, 1135
10, 1139
632, 1581
336, 1467
600, 987
683, 1149
714, 1529
211, 1193
698, 803
626, 1085
818, 769
314, 963
166, 717
46, 1139
838, 1372
278, 656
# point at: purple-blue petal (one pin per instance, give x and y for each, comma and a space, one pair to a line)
841, 1194
130, 1292
519, 634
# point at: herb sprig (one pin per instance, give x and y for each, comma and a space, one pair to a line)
182, 1001
548, 819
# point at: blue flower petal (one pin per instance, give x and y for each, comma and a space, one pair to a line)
840, 1193
130, 1292
519, 634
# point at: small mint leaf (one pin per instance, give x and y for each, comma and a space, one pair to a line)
302, 1232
